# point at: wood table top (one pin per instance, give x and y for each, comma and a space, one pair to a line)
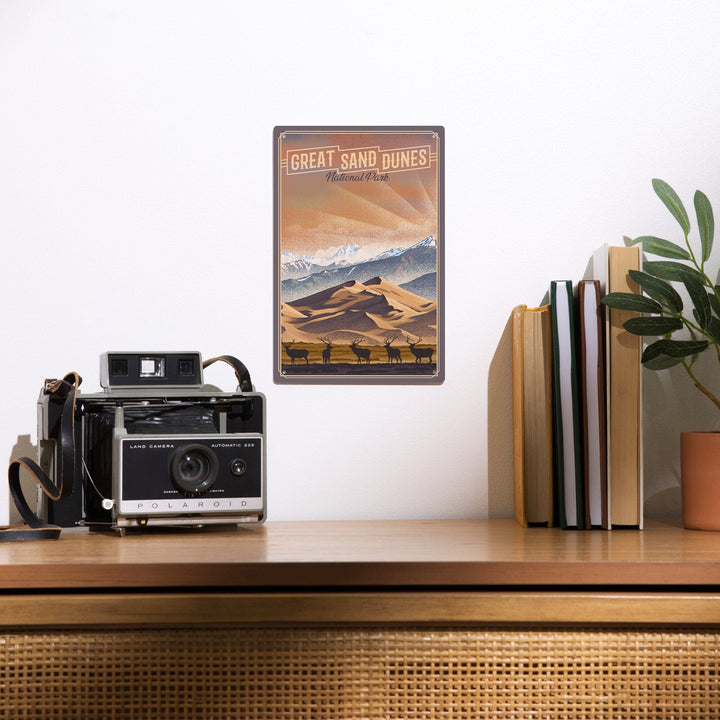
397, 554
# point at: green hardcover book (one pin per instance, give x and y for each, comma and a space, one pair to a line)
567, 417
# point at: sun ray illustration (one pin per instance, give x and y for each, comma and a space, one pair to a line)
385, 200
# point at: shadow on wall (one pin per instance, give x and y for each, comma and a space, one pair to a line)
671, 405
499, 441
24, 448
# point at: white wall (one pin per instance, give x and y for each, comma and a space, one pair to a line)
136, 205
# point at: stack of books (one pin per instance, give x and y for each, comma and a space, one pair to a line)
577, 403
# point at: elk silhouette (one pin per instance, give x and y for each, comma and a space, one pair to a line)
420, 353
361, 352
393, 353
326, 351
295, 353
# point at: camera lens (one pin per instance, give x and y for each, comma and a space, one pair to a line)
193, 469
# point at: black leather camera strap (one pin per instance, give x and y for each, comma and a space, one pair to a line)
33, 527
241, 372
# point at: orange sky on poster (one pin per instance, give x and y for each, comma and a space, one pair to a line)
393, 210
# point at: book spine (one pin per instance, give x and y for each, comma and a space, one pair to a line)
624, 397
567, 422
518, 419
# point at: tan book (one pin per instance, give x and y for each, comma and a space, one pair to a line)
624, 395
532, 415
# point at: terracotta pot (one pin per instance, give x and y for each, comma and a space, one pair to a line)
700, 480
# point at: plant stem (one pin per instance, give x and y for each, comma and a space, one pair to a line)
708, 394
692, 254
700, 386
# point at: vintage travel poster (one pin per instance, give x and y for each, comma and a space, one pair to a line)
359, 255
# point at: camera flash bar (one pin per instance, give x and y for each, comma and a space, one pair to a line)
170, 369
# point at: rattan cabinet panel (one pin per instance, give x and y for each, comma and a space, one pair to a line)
351, 673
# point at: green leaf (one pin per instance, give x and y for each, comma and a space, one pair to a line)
658, 290
673, 349
652, 325
669, 270
714, 303
706, 222
673, 203
714, 329
661, 362
631, 301
699, 297
663, 248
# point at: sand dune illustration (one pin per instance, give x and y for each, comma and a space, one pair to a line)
373, 310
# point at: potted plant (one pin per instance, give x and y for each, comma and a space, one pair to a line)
664, 317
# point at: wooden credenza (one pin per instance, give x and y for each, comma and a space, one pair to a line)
399, 619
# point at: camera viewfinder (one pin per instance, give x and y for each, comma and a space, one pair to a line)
119, 367
186, 367
153, 367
